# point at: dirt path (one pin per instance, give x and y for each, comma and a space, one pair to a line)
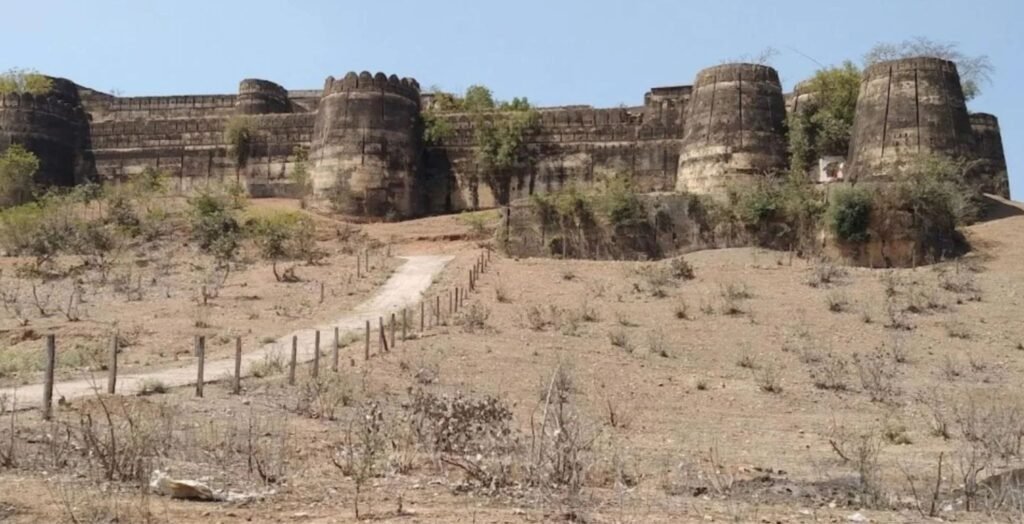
403, 289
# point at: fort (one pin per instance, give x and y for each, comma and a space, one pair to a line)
363, 134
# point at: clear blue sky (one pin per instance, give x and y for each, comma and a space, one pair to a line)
598, 52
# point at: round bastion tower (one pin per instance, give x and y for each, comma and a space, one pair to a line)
54, 127
366, 145
990, 168
905, 108
261, 97
735, 128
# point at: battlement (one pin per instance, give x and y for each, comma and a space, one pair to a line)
364, 81
984, 120
736, 73
921, 63
40, 104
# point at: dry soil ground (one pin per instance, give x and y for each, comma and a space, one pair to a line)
764, 389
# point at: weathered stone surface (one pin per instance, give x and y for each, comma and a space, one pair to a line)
990, 167
908, 107
735, 128
52, 126
366, 144
363, 135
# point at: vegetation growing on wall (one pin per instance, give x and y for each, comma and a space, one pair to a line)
24, 81
975, 71
18, 166
300, 176
822, 125
500, 132
849, 215
239, 134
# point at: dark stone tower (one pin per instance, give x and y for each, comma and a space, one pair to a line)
366, 144
908, 107
990, 160
260, 97
735, 128
53, 127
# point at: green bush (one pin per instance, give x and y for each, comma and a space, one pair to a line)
214, 227
24, 81
849, 215
284, 236
621, 204
18, 166
40, 229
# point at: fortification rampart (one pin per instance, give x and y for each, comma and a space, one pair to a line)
51, 126
363, 133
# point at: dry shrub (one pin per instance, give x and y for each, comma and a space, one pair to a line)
562, 445
654, 278
459, 424
830, 372
657, 343
680, 269
620, 339
878, 375
474, 318
271, 364
123, 436
321, 397
837, 302
824, 273
769, 378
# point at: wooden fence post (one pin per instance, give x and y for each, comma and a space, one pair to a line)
112, 367
315, 372
456, 299
437, 310
449, 302
393, 344
472, 281
236, 387
366, 355
423, 311
51, 365
334, 355
200, 364
405, 324
292, 362
383, 339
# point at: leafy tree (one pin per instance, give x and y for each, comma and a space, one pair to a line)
974, 70
24, 81
284, 236
214, 227
478, 98
823, 125
18, 166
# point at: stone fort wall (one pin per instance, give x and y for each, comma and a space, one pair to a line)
363, 134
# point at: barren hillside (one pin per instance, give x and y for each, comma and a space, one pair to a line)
737, 385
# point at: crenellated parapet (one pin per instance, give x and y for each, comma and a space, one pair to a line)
363, 133
259, 97
378, 82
